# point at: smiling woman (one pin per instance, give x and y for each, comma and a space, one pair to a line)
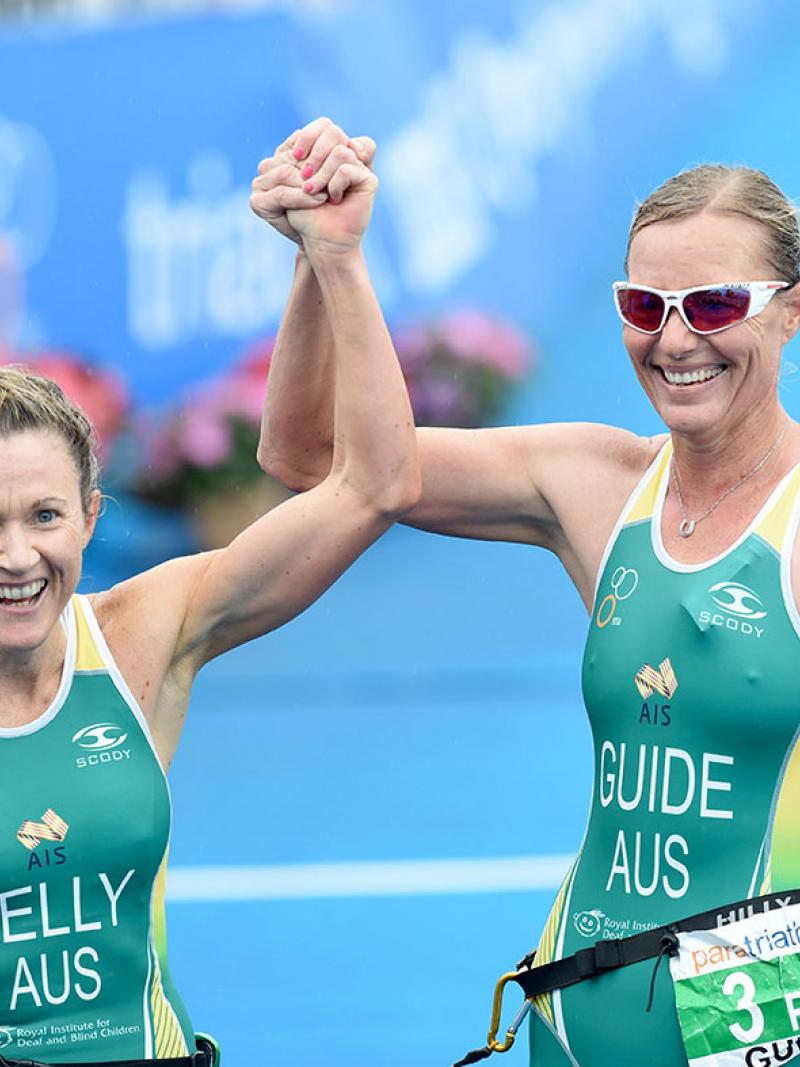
94, 689
684, 548
48, 510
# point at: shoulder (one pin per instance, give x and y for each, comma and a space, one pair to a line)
600, 441
141, 617
587, 478
571, 456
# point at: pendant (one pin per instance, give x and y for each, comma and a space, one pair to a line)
686, 528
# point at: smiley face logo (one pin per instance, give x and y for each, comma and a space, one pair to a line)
588, 923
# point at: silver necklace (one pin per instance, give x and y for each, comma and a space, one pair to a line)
687, 526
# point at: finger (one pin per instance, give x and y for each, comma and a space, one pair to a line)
307, 137
280, 159
288, 144
278, 201
331, 137
277, 174
350, 176
365, 148
336, 158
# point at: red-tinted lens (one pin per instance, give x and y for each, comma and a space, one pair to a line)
641, 309
713, 309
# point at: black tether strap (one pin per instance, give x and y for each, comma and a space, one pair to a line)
620, 951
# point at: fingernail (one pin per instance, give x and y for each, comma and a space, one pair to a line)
309, 187
307, 170
298, 153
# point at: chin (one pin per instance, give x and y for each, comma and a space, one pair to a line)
692, 414
26, 634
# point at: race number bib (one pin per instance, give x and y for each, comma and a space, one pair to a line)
737, 991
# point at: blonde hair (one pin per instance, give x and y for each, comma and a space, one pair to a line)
731, 190
29, 401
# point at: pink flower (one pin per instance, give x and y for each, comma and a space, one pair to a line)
204, 438
413, 346
478, 338
241, 395
161, 450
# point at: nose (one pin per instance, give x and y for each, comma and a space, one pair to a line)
18, 555
676, 339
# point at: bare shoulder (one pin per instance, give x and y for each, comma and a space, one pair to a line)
583, 465
586, 473
608, 445
141, 620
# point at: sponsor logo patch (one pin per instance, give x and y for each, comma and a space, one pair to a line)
662, 680
51, 828
737, 599
100, 736
624, 581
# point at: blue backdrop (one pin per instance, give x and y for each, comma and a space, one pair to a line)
427, 707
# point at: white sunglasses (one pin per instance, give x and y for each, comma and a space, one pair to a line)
704, 309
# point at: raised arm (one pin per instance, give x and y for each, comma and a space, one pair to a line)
532, 484
197, 607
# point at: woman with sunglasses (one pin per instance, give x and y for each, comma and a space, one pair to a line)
95, 689
684, 549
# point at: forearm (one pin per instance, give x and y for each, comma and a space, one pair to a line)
296, 442
374, 445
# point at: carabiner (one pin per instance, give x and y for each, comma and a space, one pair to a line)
493, 1045
497, 1012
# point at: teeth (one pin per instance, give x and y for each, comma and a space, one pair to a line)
691, 377
22, 592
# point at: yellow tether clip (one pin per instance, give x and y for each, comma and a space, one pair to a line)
497, 1012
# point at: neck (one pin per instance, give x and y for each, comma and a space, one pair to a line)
29, 678
717, 458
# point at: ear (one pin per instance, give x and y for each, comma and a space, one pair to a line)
791, 310
90, 519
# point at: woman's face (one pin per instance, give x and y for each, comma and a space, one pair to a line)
43, 531
699, 250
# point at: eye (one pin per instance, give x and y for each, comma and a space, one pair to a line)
46, 516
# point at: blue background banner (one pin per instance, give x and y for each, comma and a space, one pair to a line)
428, 706
513, 141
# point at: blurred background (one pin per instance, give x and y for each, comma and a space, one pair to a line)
374, 805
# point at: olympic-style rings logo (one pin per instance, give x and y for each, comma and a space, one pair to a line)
624, 581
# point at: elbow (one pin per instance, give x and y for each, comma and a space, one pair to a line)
398, 496
272, 464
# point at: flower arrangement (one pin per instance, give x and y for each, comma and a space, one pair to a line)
99, 392
460, 369
207, 445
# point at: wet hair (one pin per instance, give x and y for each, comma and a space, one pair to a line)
29, 401
730, 190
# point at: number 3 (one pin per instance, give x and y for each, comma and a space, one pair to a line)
739, 980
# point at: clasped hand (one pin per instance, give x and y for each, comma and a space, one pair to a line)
317, 189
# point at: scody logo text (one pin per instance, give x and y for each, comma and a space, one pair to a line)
103, 741
741, 607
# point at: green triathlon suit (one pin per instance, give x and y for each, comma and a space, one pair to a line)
84, 830
691, 682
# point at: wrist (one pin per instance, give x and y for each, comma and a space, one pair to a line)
335, 261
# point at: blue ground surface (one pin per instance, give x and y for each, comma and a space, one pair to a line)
426, 707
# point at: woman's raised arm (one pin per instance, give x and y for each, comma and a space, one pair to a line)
523, 483
203, 605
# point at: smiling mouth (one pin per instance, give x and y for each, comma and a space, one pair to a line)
22, 596
695, 377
